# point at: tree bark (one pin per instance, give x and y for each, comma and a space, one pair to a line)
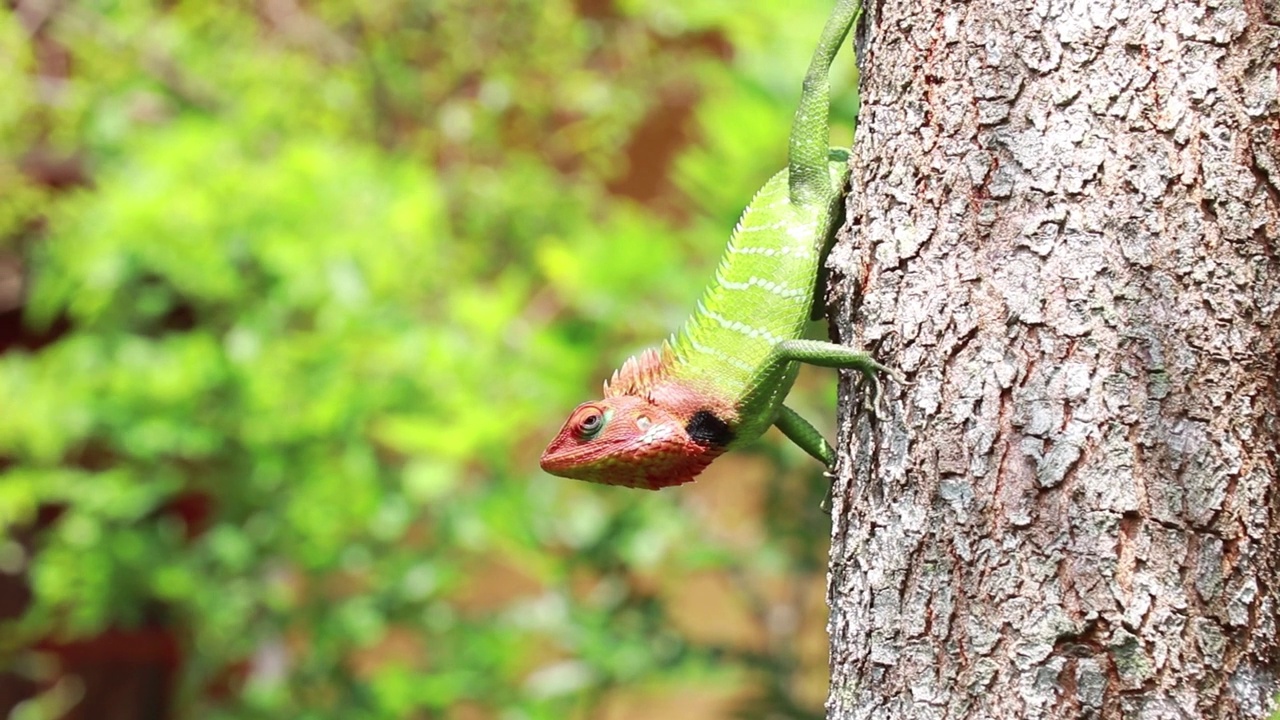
1064, 229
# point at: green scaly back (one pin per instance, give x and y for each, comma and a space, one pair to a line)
763, 291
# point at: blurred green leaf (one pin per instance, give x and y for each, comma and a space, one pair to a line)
308, 285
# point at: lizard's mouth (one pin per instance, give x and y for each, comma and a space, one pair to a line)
570, 458
637, 466
558, 463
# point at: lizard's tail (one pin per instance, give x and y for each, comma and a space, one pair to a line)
808, 178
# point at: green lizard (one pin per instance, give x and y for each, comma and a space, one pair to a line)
721, 380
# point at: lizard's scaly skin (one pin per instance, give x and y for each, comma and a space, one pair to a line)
763, 294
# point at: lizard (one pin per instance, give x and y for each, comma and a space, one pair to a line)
720, 381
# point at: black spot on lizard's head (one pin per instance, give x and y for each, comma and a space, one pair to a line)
708, 430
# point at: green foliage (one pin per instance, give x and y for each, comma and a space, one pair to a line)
340, 271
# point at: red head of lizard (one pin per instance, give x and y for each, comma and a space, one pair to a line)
649, 431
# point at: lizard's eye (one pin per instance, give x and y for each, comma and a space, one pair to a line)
589, 423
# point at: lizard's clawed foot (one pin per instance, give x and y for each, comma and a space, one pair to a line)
872, 399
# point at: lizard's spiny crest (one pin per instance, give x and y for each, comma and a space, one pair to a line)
639, 374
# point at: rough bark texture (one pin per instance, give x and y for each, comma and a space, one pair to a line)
1064, 228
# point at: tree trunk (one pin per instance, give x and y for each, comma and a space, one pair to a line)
1064, 229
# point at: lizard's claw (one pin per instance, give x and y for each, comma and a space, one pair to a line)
871, 398
871, 401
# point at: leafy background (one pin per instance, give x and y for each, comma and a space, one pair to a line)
291, 296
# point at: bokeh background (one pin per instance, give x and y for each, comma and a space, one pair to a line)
292, 295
